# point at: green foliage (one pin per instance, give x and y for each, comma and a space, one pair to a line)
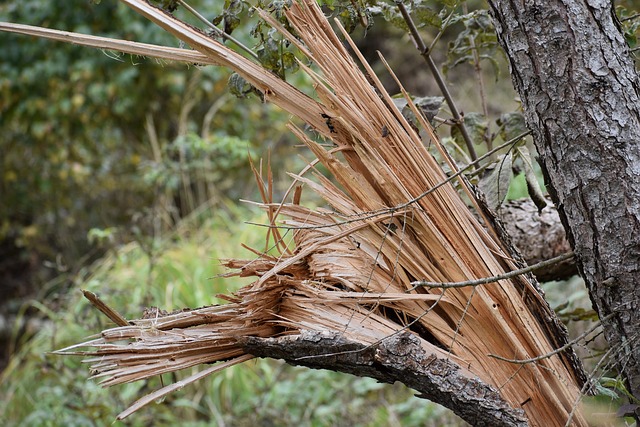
628, 16
428, 14
213, 165
79, 128
478, 37
230, 17
612, 392
495, 183
168, 5
608, 387
65, 115
477, 127
511, 125
429, 106
101, 237
239, 87
576, 315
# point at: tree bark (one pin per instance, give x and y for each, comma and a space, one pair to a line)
539, 236
579, 89
397, 358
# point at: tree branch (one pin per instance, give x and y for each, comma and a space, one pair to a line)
397, 358
426, 54
492, 279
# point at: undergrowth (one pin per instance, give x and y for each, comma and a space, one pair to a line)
40, 389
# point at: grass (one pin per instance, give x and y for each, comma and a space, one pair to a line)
38, 389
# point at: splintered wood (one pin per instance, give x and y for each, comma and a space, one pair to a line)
349, 269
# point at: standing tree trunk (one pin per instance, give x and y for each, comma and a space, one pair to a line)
579, 88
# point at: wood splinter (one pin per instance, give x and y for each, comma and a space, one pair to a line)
112, 314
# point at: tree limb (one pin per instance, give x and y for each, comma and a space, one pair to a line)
397, 358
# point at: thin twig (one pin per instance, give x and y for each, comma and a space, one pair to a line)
478, 69
444, 26
629, 18
485, 280
558, 350
393, 209
424, 52
217, 30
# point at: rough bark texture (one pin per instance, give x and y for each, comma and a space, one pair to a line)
539, 236
397, 358
579, 88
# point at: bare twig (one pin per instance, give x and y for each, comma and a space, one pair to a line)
444, 26
629, 18
424, 52
485, 280
400, 207
217, 30
557, 350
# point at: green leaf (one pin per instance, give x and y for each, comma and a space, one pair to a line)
232, 11
167, 5
101, 236
390, 14
533, 186
477, 38
349, 18
426, 15
269, 54
578, 314
603, 391
429, 105
608, 383
629, 26
511, 125
239, 87
495, 183
477, 127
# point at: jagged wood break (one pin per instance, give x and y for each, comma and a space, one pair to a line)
343, 280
